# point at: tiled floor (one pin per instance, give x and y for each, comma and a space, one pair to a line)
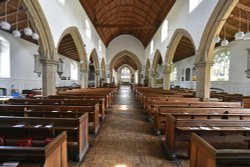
126, 138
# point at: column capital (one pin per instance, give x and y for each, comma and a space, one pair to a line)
203, 64
84, 71
47, 61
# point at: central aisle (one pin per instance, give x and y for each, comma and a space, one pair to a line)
126, 138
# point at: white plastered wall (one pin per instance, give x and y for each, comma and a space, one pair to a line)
22, 65
194, 22
238, 82
125, 42
60, 16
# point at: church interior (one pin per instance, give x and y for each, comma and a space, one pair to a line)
125, 83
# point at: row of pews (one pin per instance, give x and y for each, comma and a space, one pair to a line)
49, 131
209, 132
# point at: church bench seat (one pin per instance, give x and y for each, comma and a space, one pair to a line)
64, 102
206, 154
161, 113
54, 112
53, 153
77, 130
179, 131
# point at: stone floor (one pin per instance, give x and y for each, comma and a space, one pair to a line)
126, 138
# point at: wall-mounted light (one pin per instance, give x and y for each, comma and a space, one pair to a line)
60, 67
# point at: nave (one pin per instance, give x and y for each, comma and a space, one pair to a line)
126, 138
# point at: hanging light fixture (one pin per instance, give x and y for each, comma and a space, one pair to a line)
35, 36
5, 24
27, 30
224, 42
217, 39
240, 34
16, 32
247, 35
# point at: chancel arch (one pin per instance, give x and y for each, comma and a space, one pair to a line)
129, 58
125, 74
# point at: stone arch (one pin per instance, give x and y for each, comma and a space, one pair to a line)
80, 46
46, 42
47, 51
103, 68
157, 58
128, 66
129, 54
94, 56
204, 55
179, 33
172, 47
221, 12
147, 73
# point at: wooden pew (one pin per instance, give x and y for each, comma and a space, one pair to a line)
100, 100
160, 115
65, 102
46, 153
54, 112
77, 130
87, 96
178, 132
159, 107
246, 102
153, 102
207, 154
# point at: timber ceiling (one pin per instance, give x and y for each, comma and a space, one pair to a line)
124, 60
68, 48
140, 18
184, 50
16, 11
232, 23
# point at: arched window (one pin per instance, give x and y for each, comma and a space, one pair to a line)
220, 69
4, 58
187, 74
173, 76
125, 74
73, 71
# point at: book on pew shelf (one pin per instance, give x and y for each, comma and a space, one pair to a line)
9, 164
48, 126
69, 111
18, 126
54, 111
205, 128
37, 126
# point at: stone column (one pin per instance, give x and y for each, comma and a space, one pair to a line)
85, 78
203, 79
166, 76
49, 68
97, 77
153, 79
107, 77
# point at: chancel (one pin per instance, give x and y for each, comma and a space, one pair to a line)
125, 83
